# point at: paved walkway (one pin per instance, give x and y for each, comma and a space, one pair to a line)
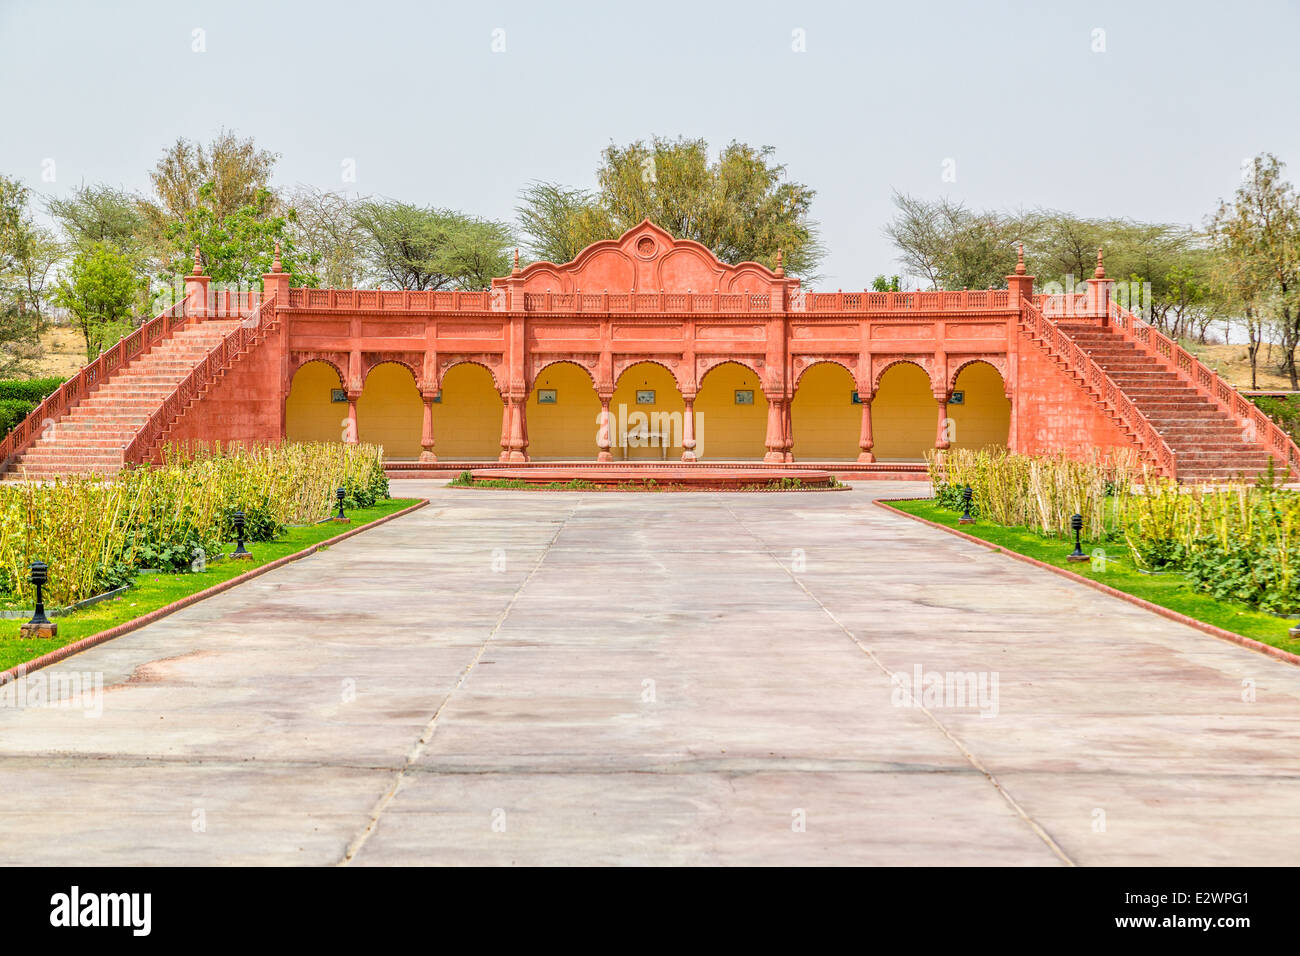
659, 678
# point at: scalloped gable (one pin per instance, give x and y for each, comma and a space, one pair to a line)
646, 258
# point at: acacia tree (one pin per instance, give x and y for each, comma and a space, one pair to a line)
952, 247
414, 247
741, 206
1259, 233
325, 231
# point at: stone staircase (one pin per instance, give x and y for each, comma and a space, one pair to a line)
1209, 443
89, 439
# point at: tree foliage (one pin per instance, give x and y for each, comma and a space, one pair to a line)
1258, 234
99, 288
418, 247
741, 206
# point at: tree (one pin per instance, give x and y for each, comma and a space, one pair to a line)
1259, 233
223, 177
28, 252
562, 222
742, 206
886, 284
19, 344
101, 213
99, 288
415, 247
325, 231
239, 247
951, 246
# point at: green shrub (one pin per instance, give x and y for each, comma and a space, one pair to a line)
33, 390
13, 411
1284, 411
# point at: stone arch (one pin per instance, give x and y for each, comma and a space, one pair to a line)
726, 428
825, 422
453, 363
886, 364
567, 427
662, 420
623, 365
903, 412
467, 416
336, 361
812, 364
372, 361
310, 412
548, 363
983, 419
390, 410
707, 364
997, 363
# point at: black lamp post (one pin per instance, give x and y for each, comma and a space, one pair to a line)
967, 494
40, 574
39, 625
240, 551
340, 495
1076, 525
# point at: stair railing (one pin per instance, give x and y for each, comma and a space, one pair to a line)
220, 357
1150, 442
95, 373
1257, 427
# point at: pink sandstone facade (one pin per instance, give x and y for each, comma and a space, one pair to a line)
1080, 373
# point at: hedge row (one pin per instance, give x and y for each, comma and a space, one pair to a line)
19, 396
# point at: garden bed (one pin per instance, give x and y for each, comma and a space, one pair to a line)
154, 595
1171, 591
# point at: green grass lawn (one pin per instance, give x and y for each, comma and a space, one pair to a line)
153, 591
1170, 590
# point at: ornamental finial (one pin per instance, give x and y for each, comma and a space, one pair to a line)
198, 263
275, 266
1101, 269
1020, 259
515, 269
780, 259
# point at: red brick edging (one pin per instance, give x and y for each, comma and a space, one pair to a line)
1247, 642
60, 653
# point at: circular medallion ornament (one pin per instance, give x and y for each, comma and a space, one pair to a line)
645, 247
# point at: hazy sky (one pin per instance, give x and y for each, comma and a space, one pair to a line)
1155, 127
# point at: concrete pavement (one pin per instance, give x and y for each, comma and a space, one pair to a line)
531, 678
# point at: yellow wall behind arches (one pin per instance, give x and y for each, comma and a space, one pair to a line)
725, 429
668, 399
824, 422
904, 415
390, 411
309, 415
984, 418
467, 422
568, 428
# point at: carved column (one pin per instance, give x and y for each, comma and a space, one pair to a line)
506, 413
688, 429
518, 443
787, 428
426, 431
350, 430
866, 440
602, 430
941, 442
775, 440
